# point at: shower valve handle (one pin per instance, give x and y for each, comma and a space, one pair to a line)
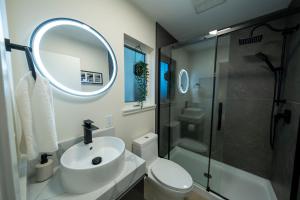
220, 113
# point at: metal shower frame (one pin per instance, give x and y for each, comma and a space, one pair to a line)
240, 26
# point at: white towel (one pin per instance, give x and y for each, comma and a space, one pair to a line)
43, 116
23, 102
35, 108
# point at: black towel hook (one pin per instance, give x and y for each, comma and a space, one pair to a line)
9, 46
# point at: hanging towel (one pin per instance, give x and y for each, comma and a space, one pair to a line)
34, 102
23, 102
43, 116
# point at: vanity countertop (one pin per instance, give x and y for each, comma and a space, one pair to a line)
52, 189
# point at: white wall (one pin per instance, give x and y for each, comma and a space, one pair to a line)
12, 182
58, 65
202, 72
203, 62
182, 58
93, 57
198, 59
112, 18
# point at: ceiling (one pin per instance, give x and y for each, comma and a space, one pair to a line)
181, 20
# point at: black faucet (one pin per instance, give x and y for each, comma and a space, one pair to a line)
88, 129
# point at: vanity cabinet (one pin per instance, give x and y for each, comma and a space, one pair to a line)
135, 192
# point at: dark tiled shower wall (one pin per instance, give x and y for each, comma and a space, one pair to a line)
298, 196
248, 101
284, 153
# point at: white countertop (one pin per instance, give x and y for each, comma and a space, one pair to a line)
52, 189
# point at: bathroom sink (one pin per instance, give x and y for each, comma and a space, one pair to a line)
193, 111
192, 115
85, 168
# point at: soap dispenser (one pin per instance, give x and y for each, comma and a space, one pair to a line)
44, 169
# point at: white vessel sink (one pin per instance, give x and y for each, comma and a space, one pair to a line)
192, 115
193, 111
80, 175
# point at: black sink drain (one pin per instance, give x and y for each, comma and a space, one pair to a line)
96, 161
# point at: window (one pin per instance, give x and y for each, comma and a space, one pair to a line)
131, 57
164, 68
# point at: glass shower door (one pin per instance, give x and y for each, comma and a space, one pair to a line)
241, 156
191, 78
165, 94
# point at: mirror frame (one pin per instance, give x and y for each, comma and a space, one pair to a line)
181, 73
35, 41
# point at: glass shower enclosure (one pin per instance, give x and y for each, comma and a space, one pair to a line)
186, 108
219, 128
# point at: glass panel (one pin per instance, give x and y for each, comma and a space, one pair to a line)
131, 57
241, 153
164, 67
166, 77
190, 109
240, 83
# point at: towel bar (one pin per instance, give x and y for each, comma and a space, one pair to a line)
9, 46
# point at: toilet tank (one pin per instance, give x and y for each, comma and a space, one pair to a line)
146, 147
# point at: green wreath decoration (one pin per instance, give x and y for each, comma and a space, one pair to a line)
141, 73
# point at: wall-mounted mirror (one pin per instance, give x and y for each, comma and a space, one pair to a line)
73, 56
183, 81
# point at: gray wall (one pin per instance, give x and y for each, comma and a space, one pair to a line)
247, 104
283, 156
295, 3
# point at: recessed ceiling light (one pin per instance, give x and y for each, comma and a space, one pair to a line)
201, 6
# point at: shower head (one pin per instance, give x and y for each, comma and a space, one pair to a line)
251, 40
263, 57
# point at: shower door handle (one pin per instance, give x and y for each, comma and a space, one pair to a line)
220, 112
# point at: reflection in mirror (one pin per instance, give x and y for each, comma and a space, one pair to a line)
183, 81
74, 57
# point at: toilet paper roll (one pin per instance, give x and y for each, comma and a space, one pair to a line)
191, 127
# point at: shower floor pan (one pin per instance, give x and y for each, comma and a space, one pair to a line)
230, 182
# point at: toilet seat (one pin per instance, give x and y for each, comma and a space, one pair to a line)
171, 175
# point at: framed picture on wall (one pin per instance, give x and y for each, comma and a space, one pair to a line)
89, 77
83, 77
98, 79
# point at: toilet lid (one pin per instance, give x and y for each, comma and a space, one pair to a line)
171, 175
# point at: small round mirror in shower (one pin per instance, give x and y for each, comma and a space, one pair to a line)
74, 57
183, 81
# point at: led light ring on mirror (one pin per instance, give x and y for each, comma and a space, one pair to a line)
35, 41
182, 73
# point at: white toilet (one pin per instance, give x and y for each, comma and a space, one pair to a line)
166, 179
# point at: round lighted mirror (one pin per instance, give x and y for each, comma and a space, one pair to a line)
74, 57
183, 81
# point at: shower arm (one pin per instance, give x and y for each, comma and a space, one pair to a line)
284, 31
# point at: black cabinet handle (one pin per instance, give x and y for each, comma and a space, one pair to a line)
220, 112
